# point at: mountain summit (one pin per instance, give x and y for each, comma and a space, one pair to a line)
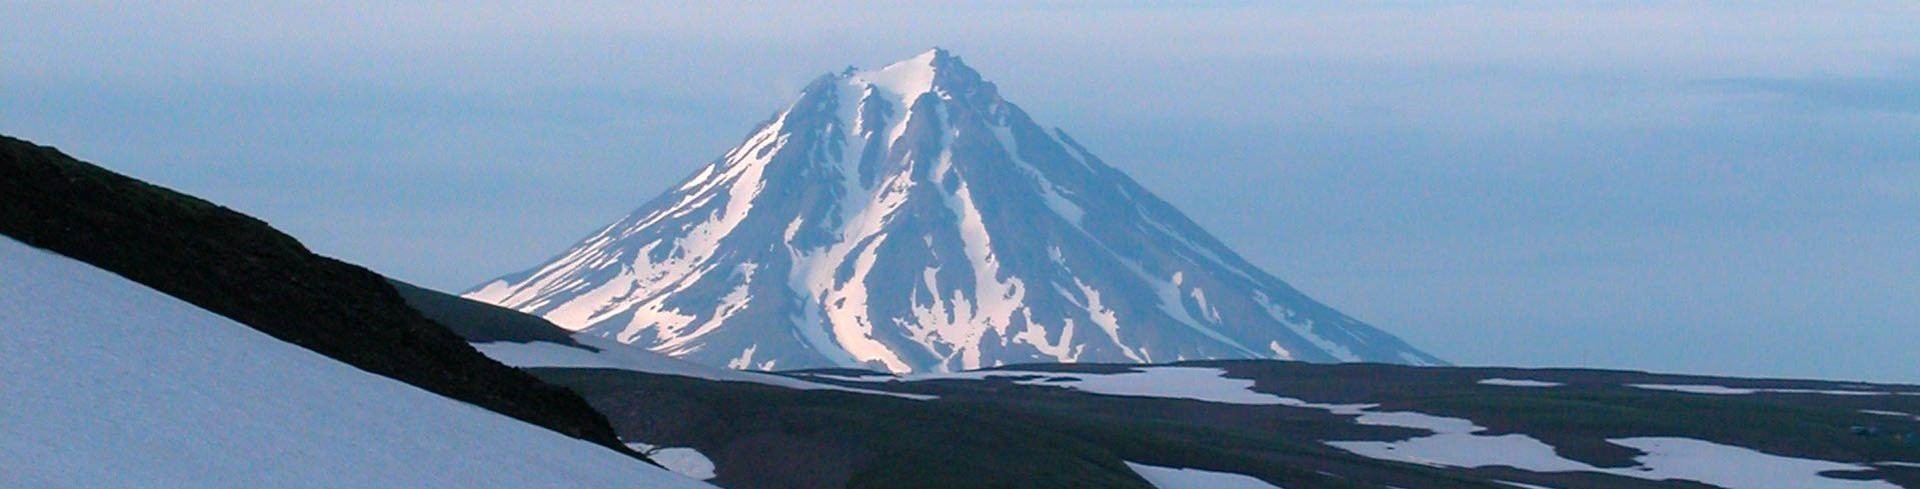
910, 219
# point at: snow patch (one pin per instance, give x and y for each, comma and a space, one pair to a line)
681, 460
745, 360
1305, 329
904, 79
1178, 478
1896, 414
1279, 351
1720, 390
1522, 485
1734, 467
1518, 382
1103, 317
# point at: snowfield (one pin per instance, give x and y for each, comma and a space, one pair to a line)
1455, 442
107, 383
1173, 478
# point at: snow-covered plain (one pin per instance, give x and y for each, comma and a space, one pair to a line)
1176, 478
107, 383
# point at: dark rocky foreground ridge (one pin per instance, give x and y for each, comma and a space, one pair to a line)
242, 268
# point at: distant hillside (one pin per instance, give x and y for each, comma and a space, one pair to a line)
480, 322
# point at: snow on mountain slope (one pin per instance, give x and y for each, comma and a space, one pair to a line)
910, 219
107, 383
526, 341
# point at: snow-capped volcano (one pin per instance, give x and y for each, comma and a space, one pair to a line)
910, 219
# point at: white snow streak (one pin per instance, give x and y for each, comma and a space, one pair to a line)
1304, 328
1720, 390
1896, 414
1518, 382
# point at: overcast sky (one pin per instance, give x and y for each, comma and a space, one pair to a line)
1710, 187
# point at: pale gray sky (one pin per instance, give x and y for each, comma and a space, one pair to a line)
1713, 187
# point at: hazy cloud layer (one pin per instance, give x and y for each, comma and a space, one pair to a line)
1882, 94
1725, 187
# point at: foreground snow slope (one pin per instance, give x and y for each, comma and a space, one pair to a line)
107, 383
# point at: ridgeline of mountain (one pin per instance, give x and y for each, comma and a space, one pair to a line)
241, 268
910, 219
